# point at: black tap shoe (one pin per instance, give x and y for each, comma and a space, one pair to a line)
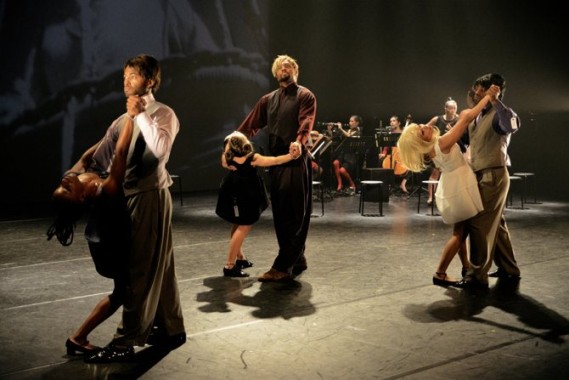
243, 264
234, 272
112, 354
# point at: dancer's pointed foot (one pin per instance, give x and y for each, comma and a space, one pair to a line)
234, 272
442, 279
73, 347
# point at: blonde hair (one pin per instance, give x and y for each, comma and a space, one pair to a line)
277, 63
412, 147
236, 144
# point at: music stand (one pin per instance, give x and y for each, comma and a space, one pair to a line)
358, 145
321, 147
317, 155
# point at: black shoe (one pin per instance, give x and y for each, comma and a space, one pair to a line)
500, 273
112, 354
463, 272
170, 342
471, 284
495, 273
243, 264
441, 280
298, 269
76, 349
506, 288
234, 272
176, 341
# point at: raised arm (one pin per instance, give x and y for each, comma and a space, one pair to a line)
504, 117
114, 181
344, 132
450, 138
433, 121
224, 161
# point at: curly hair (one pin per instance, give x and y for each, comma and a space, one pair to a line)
237, 144
280, 60
412, 147
63, 230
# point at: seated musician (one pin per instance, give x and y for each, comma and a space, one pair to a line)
386, 154
346, 162
315, 138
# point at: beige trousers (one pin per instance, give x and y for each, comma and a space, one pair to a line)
488, 232
153, 296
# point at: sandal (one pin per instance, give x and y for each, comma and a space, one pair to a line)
441, 279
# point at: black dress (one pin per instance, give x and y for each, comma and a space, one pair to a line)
242, 195
108, 235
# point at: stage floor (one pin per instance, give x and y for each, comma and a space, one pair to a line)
365, 308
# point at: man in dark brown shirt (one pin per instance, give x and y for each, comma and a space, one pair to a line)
288, 113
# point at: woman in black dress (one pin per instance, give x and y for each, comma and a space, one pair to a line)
107, 231
242, 196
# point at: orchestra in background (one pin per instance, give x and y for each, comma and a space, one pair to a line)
330, 140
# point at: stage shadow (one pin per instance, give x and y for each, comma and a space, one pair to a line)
274, 299
76, 368
505, 295
223, 291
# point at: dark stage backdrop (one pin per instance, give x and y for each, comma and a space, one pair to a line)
379, 58
61, 73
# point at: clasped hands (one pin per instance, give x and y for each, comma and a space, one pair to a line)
295, 149
493, 92
134, 105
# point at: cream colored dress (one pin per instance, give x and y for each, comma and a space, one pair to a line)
457, 196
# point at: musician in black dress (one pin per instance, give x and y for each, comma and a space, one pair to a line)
389, 156
99, 193
346, 162
444, 123
242, 196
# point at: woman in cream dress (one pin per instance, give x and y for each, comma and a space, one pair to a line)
457, 195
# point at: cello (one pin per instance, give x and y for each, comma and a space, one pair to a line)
398, 168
